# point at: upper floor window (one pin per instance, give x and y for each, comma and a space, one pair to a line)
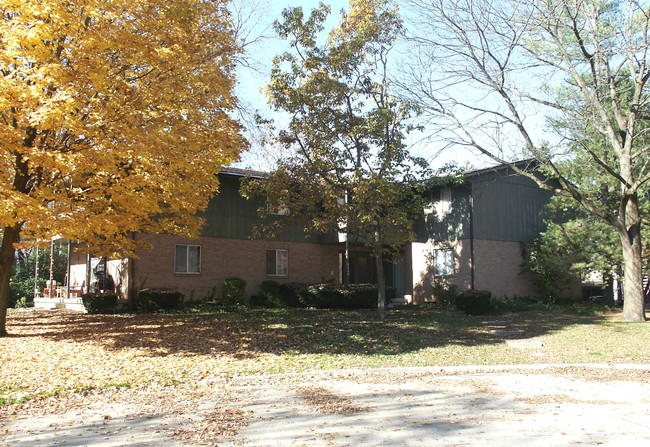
277, 262
278, 208
188, 259
443, 204
440, 203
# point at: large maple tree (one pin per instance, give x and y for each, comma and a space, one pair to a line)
114, 118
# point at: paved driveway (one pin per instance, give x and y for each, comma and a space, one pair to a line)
489, 406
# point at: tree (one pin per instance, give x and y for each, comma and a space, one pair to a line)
350, 170
584, 63
114, 118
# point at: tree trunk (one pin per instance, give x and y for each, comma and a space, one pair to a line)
381, 282
633, 296
7, 256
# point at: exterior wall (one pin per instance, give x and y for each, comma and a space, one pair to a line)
231, 216
499, 269
422, 268
222, 258
508, 207
499, 209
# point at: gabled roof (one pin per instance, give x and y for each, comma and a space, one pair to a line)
524, 165
239, 172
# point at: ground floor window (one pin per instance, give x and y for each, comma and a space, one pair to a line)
277, 262
444, 264
188, 259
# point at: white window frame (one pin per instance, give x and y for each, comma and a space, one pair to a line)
187, 259
278, 257
441, 204
444, 262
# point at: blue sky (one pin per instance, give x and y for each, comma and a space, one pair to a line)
252, 80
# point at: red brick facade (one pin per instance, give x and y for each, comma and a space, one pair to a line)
222, 258
498, 267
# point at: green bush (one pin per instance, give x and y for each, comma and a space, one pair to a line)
234, 290
515, 304
258, 300
99, 303
271, 293
270, 289
341, 296
21, 292
475, 302
289, 294
154, 300
445, 295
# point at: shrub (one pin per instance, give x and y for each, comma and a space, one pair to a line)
270, 288
289, 294
99, 303
340, 296
21, 292
475, 302
258, 300
234, 290
445, 295
271, 294
515, 304
154, 300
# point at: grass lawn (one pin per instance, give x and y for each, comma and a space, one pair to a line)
52, 352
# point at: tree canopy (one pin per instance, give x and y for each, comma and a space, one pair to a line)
114, 118
487, 71
349, 171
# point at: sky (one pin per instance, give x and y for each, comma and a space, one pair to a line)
252, 79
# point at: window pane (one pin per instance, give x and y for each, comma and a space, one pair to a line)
270, 262
444, 262
282, 262
180, 265
194, 259
449, 262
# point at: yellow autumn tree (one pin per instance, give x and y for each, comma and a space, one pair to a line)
114, 118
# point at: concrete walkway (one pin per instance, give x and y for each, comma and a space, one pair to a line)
478, 406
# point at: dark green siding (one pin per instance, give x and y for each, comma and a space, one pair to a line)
455, 224
508, 208
229, 215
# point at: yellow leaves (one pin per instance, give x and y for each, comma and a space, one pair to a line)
109, 104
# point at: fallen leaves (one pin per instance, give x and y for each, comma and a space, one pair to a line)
51, 354
325, 401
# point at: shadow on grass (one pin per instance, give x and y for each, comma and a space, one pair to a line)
253, 332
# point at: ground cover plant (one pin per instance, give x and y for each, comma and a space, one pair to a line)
54, 353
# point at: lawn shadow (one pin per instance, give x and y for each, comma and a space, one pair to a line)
248, 334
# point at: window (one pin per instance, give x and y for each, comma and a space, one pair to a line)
188, 259
440, 203
279, 209
443, 262
277, 262
443, 204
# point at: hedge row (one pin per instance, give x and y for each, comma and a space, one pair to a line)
321, 296
475, 302
100, 303
153, 300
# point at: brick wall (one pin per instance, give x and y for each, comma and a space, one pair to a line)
222, 258
422, 268
499, 269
